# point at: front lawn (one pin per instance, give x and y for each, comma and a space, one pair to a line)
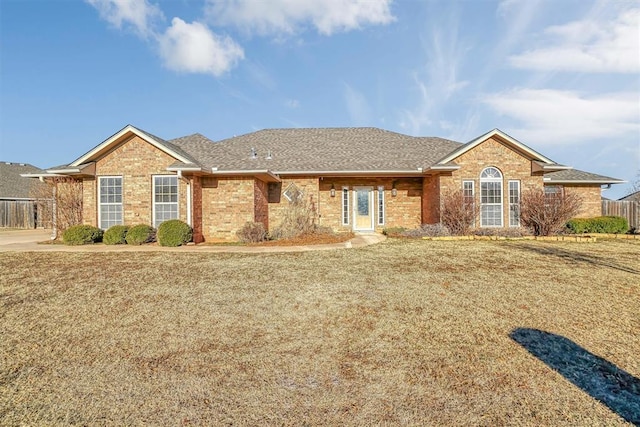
400, 333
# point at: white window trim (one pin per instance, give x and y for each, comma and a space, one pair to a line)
380, 208
100, 204
500, 204
153, 197
473, 187
344, 202
517, 182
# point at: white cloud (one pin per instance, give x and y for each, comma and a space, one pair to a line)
292, 103
357, 106
194, 48
438, 82
139, 14
589, 45
288, 16
553, 117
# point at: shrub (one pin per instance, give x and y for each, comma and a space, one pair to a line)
81, 235
115, 235
600, 224
299, 218
139, 234
252, 232
174, 233
459, 213
547, 213
393, 231
427, 230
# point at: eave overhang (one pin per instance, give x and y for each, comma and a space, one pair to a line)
262, 174
335, 173
547, 180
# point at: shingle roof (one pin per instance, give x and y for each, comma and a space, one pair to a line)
632, 197
14, 186
318, 149
578, 176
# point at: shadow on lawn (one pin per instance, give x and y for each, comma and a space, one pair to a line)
576, 257
601, 379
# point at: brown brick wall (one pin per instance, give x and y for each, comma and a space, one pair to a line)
403, 210
591, 196
89, 194
136, 161
492, 152
308, 186
196, 208
227, 204
260, 204
431, 199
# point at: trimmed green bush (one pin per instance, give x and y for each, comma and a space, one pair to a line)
600, 224
252, 232
115, 235
139, 234
81, 235
174, 233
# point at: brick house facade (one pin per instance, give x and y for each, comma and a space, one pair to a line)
361, 179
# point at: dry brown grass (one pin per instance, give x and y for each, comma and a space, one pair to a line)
404, 332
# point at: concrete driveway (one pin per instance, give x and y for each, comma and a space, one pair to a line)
19, 237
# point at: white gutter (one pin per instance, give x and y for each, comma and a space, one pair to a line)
582, 181
412, 172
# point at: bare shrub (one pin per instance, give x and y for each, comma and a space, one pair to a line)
252, 232
300, 217
427, 230
458, 212
60, 201
547, 213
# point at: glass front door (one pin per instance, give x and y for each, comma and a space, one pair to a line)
363, 209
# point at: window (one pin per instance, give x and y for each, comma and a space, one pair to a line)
345, 205
552, 190
468, 192
292, 193
109, 201
514, 203
381, 205
165, 199
491, 198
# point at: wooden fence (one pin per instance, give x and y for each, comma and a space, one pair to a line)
24, 214
627, 209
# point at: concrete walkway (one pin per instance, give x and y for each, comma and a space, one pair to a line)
30, 240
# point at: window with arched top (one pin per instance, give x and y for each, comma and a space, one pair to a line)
491, 197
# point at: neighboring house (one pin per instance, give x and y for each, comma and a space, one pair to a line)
361, 179
633, 197
18, 207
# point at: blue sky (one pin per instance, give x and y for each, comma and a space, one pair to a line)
561, 76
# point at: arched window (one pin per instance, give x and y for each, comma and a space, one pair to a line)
491, 198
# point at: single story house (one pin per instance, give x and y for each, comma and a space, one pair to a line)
22, 200
360, 179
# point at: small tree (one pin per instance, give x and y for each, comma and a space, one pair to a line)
547, 213
60, 201
458, 213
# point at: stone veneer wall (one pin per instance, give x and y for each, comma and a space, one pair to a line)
136, 161
492, 152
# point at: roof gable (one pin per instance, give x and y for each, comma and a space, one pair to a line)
123, 135
508, 140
